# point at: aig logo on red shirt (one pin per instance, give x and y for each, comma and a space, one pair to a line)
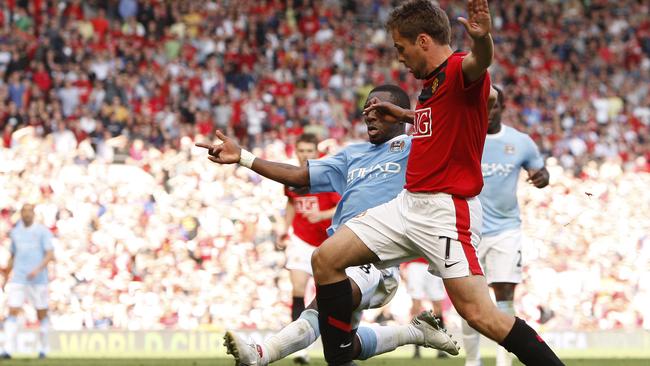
422, 123
306, 204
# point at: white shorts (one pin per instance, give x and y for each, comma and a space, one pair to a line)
500, 256
445, 230
299, 254
36, 294
378, 287
422, 285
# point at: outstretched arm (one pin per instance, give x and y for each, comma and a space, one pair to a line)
389, 111
287, 174
230, 153
478, 26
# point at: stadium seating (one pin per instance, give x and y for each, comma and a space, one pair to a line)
99, 110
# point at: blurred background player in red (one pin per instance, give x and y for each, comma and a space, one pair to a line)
307, 217
424, 287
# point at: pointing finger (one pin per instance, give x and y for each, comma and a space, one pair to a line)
205, 146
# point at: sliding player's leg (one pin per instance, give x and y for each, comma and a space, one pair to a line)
371, 288
304, 331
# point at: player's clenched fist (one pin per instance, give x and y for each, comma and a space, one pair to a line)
228, 152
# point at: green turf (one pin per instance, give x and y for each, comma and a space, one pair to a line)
458, 361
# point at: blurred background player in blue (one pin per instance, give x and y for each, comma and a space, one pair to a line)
506, 152
31, 251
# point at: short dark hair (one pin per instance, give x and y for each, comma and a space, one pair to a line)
500, 96
420, 16
309, 138
397, 95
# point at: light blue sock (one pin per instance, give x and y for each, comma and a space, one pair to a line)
368, 340
503, 358
507, 307
43, 333
11, 328
311, 316
377, 339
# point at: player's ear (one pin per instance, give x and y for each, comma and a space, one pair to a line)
422, 41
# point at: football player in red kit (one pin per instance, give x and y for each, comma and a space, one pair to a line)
307, 217
437, 216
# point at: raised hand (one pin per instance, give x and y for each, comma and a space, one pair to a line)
479, 23
226, 153
389, 111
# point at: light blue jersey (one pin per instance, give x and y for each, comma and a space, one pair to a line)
365, 175
28, 247
504, 155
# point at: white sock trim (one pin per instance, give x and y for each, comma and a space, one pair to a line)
471, 343
296, 336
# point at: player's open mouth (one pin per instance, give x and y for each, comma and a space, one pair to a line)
372, 130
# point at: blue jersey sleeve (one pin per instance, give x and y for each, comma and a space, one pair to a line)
533, 158
328, 174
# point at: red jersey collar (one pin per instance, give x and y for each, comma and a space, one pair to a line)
429, 78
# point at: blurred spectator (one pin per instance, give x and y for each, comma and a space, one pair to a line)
577, 78
83, 87
168, 240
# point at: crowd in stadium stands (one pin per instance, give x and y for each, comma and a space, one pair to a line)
99, 108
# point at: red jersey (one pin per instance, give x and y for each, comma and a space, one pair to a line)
304, 203
449, 131
417, 260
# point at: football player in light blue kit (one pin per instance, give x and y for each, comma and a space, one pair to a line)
31, 251
365, 175
506, 152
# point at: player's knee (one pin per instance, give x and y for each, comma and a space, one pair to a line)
474, 316
318, 263
323, 265
481, 318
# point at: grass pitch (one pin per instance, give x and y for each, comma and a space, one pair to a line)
399, 357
